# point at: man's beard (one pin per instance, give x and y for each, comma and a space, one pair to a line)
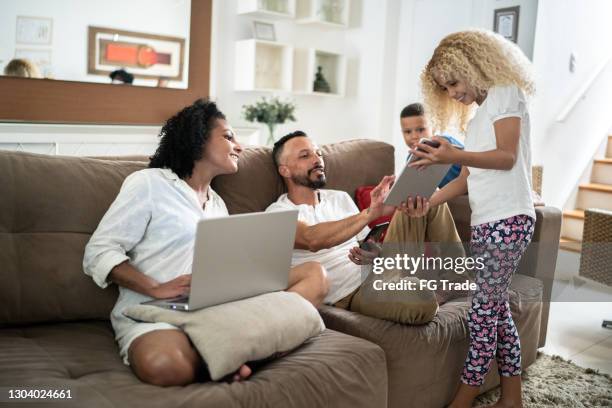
307, 182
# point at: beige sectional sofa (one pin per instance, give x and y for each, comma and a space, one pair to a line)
54, 328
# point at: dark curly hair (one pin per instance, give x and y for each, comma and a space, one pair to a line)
183, 137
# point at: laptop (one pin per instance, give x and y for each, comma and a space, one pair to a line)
237, 257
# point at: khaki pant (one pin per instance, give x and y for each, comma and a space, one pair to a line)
407, 235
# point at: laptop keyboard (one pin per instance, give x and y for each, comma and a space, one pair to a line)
182, 299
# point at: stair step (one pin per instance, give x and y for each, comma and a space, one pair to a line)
594, 196
573, 224
569, 244
579, 214
602, 171
604, 188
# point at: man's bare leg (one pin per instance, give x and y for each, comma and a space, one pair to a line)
310, 281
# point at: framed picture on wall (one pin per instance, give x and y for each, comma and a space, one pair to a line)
264, 31
505, 22
141, 54
34, 30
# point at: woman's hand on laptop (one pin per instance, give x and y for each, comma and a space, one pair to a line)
174, 288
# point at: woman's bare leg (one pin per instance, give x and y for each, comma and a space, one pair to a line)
310, 281
167, 358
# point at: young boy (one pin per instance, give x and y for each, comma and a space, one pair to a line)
415, 126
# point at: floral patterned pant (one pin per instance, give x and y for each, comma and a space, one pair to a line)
501, 244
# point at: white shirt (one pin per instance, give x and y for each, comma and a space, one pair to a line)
344, 276
152, 222
499, 194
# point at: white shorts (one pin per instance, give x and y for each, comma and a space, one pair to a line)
136, 330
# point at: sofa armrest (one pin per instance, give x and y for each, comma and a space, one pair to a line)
540, 259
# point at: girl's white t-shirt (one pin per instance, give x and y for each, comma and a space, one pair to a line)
499, 194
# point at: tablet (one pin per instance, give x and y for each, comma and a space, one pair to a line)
413, 182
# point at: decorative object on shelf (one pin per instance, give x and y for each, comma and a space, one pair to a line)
264, 31
276, 6
272, 112
505, 22
325, 13
267, 9
147, 55
331, 11
320, 83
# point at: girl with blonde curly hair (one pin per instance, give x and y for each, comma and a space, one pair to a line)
481, 75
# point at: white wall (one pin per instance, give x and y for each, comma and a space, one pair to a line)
566, 149
71, 19
483, 13
423, 23
326, 118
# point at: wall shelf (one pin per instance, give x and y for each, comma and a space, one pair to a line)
323, 13
270, 9
263, 66
306, 63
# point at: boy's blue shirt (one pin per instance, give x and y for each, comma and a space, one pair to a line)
455, 169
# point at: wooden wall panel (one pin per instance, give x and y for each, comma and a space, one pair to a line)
53, 101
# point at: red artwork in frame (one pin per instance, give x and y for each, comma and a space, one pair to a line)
146, 55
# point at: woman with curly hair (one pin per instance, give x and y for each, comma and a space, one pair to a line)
481, 75
144, 242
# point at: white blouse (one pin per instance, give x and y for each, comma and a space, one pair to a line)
152, 222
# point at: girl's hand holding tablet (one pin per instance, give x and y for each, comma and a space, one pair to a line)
426, 154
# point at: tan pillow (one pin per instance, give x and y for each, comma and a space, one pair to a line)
234, 333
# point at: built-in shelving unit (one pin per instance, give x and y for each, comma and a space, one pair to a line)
270, 66
333, 68
263, 66
270, 9
328, 13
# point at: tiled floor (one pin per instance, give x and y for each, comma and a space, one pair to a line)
577, 310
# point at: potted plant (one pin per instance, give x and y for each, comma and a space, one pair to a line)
272, 112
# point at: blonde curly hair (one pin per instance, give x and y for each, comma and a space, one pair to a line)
482, 59
22, 68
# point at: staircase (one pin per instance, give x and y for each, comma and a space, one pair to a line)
596, 194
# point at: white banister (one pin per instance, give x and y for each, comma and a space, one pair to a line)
583, 89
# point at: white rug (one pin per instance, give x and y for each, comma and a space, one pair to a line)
554, 382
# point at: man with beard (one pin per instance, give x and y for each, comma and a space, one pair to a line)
329, 226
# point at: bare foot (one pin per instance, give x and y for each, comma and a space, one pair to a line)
505, 404
243, 373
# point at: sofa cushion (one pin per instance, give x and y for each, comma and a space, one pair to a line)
330, 370
277, 322
50, 207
